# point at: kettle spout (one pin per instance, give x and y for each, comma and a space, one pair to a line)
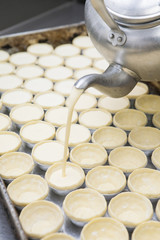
116, 81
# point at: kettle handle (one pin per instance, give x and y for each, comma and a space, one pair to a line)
115, 35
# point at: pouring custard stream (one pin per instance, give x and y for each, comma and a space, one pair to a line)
75, 94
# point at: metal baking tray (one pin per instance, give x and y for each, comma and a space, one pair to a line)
19, 42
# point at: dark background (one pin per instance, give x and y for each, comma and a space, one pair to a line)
26, 15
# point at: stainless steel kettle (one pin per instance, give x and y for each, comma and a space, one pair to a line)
127, 34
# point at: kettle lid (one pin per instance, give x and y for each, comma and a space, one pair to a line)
134, 11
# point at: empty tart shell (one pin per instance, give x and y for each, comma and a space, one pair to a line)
156, 120
148, 103
27, 188
88, 155
147, 230
106, 180
104, 228
146, 182
41, 218
80, 207
158, 210
130, 208
15, 164
127, 119
155, 158
127, 158
138, 90
109, 137
58, 236
144, 138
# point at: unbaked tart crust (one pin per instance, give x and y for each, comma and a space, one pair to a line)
127, 158
138, 90
73, 178
147, 230
80, 207
144, 138
148, 103
88, 155
158, 210
107, 180
156, 120
104, 228
27, 188
110, 137
155, 158
130, 208
15, 164
145, 181
58, 236
127, 119
41, 218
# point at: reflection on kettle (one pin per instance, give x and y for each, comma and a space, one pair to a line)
127, 34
